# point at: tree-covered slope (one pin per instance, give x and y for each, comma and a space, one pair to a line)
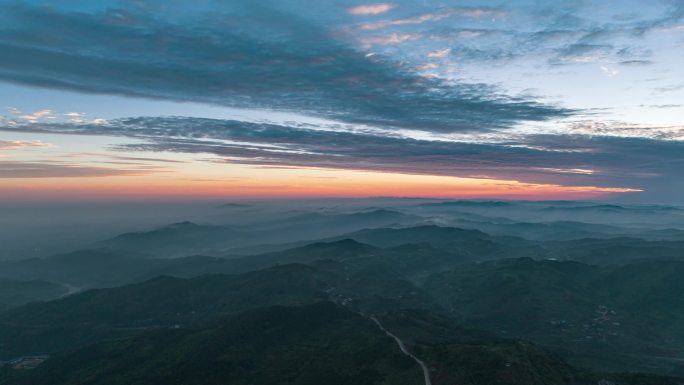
317, 344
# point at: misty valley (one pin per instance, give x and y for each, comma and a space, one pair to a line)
357, 291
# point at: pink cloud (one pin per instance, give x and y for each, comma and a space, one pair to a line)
436, 16
390, 39
370, 9
19, 144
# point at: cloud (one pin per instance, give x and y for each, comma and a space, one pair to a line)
144, 159
22, 144
610, 71
636, 62
671, 88
583, 155
560, 35
13, 169
18, 117
427, 66
76, 117
673, 28
439, 53
582, 53
391, 39
570, 170
628, 130
389, 117
435, 16
633, 52
253, 57
669, 22
32, 117
663, 105
370, 9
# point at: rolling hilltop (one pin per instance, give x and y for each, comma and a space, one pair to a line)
476, 308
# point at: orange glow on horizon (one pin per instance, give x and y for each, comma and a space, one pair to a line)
291, 183
86, 169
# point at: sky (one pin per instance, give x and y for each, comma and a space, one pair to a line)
138, 99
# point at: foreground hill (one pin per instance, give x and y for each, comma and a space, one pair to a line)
320, 343
45, 328
621, 317
317, 344
127, 334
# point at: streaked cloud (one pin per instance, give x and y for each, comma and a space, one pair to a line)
579, 156
427, 66
370, 9
391, 39
527, 91
435, 16
670, 88
671, 28
569, 170
439, 53
22, 144
19, 117
628, 130
276, 61
582, 53
610, 71
76, 117
52, 169
32, 117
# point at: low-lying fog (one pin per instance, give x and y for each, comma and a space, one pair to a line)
38, 230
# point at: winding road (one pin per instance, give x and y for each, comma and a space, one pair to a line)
426, 370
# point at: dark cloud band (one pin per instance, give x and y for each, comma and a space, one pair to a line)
269, 60
568, 159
